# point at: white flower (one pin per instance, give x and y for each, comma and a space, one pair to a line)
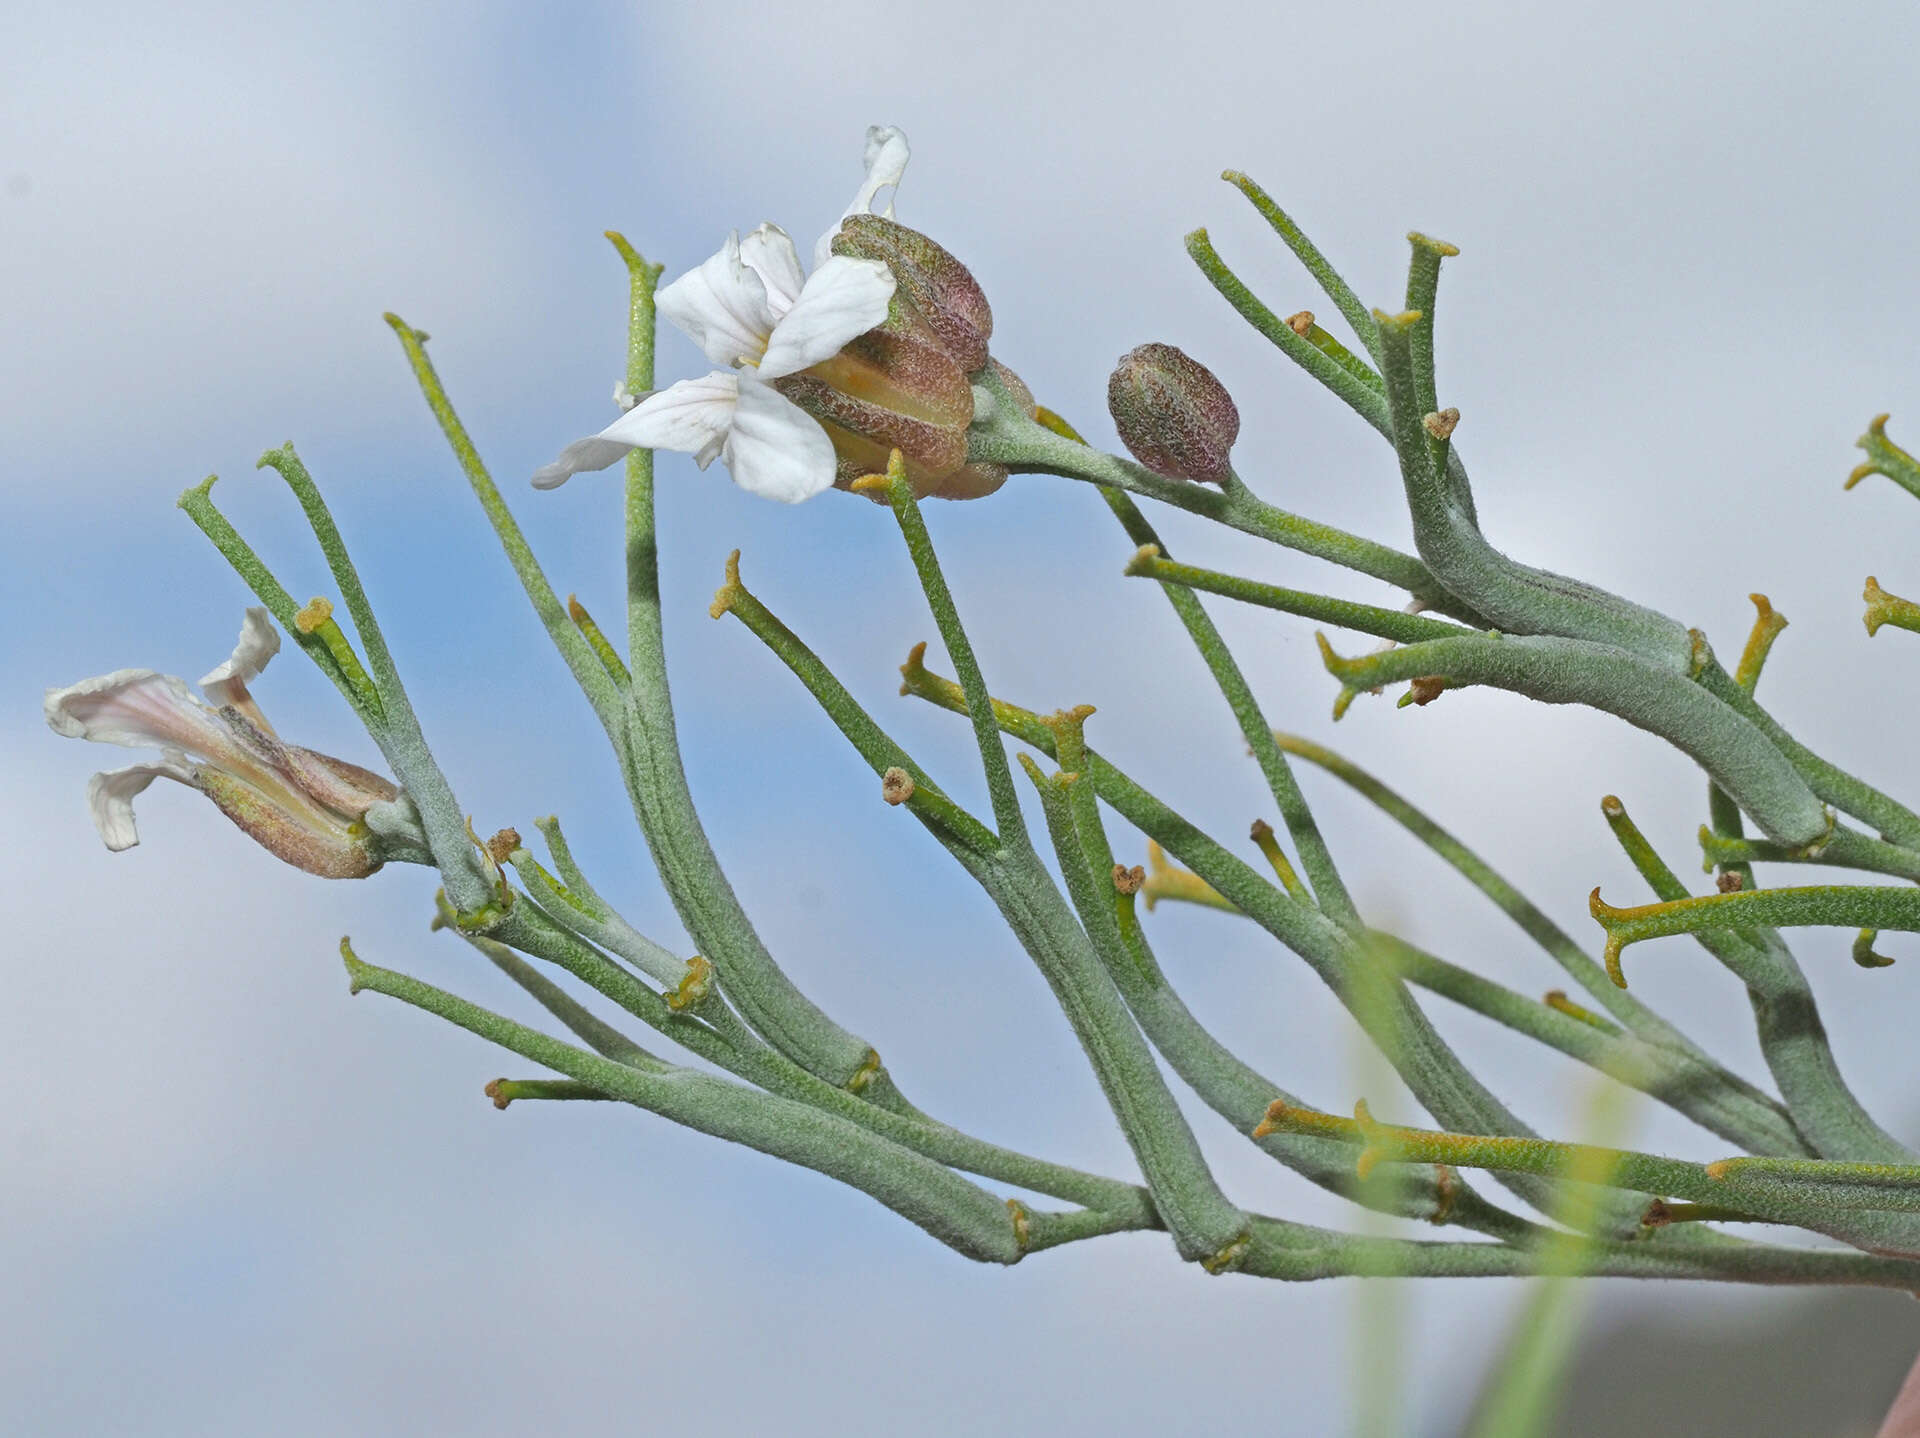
750, 307
304, 807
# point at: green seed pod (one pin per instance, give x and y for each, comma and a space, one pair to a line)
1172, 414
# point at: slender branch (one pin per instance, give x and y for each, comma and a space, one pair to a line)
1149, 563
957, 1212
1894, 820
1434, 1073
1846, 849
1003, 433
1513, 597
1363, 399
1786, 1019
1315, 857
924, 799
1316, 264
1554, 670
1825, 1204
200, 508
1558, 944
946, 616
1845, 906
587, 670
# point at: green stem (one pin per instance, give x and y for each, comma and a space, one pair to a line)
1315, 857
1363, 399
1316, 264
199, 506
643, 580
1553, 670
1224, 1082
957, 1212
1423, 292
1722, 813
1513, 597
1847, 849
1893, 820
1559, 945
927, 802
398, 734
1077, 965
1003, 433
1720, 1102
1343, 1255
656, 782
504, 1091
1203, 1224
600, 1036
1435, 1074
946, 616
1845, 906
1823, 1206
1787, 1020
1395, 624
588, 672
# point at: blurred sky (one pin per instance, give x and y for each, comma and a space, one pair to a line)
231, 1201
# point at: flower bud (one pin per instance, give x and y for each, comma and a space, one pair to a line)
1172, 414
939, 290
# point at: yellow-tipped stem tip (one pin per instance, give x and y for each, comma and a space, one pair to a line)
728, 593
1427, 242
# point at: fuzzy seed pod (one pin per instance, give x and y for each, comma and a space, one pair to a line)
1172, 414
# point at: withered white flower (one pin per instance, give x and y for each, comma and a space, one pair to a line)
306, 808
751, 307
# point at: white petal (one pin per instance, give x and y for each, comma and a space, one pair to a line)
110, 797
722, 306
843, 298
140, 709
691, 416
769, 253
776, 449
886, 161
259, 642
582, 455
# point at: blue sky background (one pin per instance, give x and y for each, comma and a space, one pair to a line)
233, 1201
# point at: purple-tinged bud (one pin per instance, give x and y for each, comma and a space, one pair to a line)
1173, 415
939, 290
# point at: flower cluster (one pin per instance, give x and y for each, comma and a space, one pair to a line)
827, 372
